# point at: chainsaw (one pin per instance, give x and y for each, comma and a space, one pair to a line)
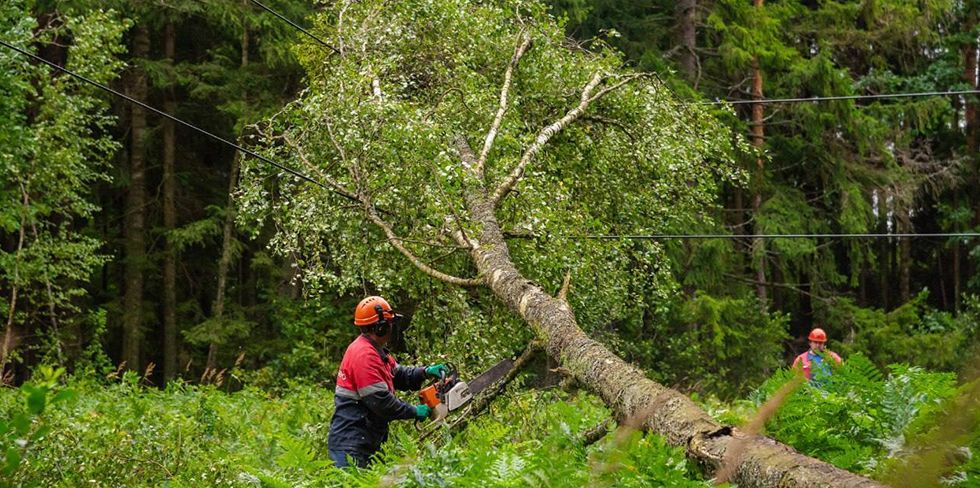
449, 393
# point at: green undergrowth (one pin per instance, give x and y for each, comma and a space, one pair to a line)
882, 424
125, 434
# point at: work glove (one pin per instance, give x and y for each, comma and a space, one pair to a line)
422, 412
436, 370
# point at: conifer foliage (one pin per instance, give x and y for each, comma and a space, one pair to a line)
173, 313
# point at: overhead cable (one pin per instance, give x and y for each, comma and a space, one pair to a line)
179, 121
306, 178
840, 97
297, 26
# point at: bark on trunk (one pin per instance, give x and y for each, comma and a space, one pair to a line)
970, 78
169, 222
956, 276
218, 310
972, 133
941, 279
686, 14
135, 209
971, 110
9, 334
971, 117
758, 139
904, 256
625, 389
884, 252
52, 310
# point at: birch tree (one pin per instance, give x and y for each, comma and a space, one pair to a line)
54, 146
470, 159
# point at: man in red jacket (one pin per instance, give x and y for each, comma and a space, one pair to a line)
364, 399
812, 361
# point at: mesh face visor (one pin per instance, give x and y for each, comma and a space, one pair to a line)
395, 321
398, 320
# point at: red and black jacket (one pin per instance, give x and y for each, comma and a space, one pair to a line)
364, 399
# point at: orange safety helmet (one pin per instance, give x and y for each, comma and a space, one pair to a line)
372, 310
818, 335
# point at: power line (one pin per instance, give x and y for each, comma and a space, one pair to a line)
715, 102
306, 178
749, 236
179, 121
841, 97
297, 26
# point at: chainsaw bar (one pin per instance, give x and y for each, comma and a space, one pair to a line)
490, 376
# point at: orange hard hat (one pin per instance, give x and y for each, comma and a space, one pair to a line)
371, 310
818, 335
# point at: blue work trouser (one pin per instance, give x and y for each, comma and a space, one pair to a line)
340, 459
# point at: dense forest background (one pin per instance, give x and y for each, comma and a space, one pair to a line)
123, 245
120, 234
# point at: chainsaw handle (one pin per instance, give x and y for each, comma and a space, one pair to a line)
449, 372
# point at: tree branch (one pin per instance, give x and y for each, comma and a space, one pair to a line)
566, 284
396, 242
543, 137
468, 158
787, 286
483, 400
459, 235
736, 449
504, 91
443, 256
596, 433
372, 213
626, 79
613, 122
550, 130
323, 176
51, 308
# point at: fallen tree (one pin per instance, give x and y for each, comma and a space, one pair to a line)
763, 462
571, 142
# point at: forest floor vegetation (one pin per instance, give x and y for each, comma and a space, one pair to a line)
117, 431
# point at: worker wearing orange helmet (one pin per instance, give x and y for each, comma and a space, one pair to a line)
813, 359
364, 398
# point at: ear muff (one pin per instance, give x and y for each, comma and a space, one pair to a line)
382, 326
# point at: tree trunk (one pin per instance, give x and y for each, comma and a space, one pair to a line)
971, 110
633, 397
758, 140
9, 334
52, 310
941, 278
904, 255
169, 220
956, 276
884, 252
971, 118
685, 12
227, 254
738, 206
135, 208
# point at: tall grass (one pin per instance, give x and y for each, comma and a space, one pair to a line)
124, 434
